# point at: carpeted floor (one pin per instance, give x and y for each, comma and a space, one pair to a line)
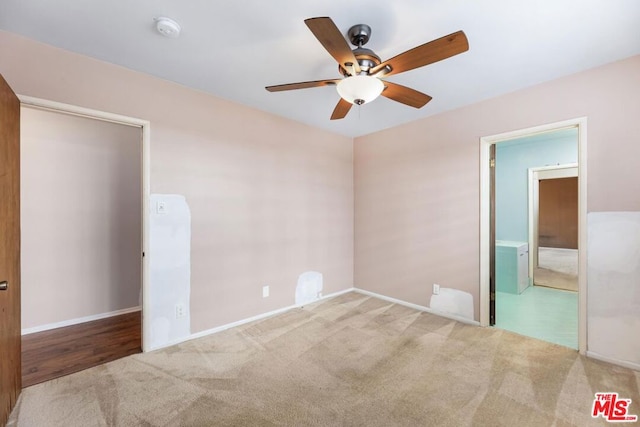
555, 279
559, 259
557, 268
347, 361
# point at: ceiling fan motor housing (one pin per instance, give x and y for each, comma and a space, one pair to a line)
359, 36
366, 59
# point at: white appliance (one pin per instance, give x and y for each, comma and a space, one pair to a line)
512, 266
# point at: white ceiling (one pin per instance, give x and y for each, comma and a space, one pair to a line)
233, 49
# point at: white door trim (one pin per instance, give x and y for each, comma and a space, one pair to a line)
145, 126
569, 170
485, 144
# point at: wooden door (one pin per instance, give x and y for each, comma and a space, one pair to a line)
10, 370
558, 213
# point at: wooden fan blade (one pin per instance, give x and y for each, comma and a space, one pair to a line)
330, 37
428, 53
341, 110
301, 85
405, 95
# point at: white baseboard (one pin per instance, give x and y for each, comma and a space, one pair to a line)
623, 363
335, 294
247, 320
418, 307
70, 322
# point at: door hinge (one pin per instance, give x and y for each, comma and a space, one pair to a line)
492, 163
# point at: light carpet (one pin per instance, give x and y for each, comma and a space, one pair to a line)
557, 268
559, 259
555, 279
351, 360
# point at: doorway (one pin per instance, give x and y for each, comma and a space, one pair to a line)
84, 220
544, 304
553, 226
489, 251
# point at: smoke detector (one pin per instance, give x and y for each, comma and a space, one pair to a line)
167, 27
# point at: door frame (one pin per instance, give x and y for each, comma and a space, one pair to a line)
535, 175
485, 193
145, 126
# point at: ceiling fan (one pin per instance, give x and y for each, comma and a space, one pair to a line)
363, 70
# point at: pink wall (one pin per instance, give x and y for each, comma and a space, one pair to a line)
417, 186
270, 198
81, 206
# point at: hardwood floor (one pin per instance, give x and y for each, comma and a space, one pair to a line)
51, 354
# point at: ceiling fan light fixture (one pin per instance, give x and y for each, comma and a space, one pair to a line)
363, 69
360, 89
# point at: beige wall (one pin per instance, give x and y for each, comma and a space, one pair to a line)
270, 198
81, 216
417, 185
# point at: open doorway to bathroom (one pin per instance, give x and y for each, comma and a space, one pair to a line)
536, 295
534, 234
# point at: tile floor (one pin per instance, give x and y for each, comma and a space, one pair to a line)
544, 313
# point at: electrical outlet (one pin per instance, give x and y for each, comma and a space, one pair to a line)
436, 289
265, 291
180, 311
